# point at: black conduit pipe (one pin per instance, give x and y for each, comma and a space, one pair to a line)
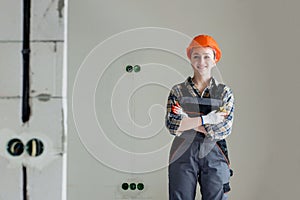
26, 61
24, 172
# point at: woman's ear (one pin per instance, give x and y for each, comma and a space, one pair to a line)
214, 62
215, 58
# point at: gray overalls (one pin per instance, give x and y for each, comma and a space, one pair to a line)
195, 158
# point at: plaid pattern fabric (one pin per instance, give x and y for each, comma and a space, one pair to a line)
215, 131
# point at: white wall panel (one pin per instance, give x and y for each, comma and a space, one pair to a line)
10, 69
47, 22
44, 172
47, 120
11, 18
46, 183
46, 68
11, 181
11, 118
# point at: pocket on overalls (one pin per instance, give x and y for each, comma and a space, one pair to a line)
226, 187
223, 155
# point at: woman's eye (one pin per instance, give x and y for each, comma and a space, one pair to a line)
196, 57
206, 57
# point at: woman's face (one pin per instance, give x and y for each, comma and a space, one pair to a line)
202, 60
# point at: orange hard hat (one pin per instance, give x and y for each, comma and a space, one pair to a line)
204, 41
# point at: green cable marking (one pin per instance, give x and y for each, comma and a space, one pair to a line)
137, 68
140, 186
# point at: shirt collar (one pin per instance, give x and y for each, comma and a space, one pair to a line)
212, 82
194, 90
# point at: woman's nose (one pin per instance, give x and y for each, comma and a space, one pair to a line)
201, 61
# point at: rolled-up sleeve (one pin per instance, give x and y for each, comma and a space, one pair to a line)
222, 130
172, 120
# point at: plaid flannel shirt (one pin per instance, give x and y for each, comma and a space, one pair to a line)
215, 131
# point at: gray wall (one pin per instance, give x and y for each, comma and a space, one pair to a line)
260, 43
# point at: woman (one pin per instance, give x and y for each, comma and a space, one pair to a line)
200, 115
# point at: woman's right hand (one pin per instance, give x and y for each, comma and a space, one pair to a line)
177, 109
